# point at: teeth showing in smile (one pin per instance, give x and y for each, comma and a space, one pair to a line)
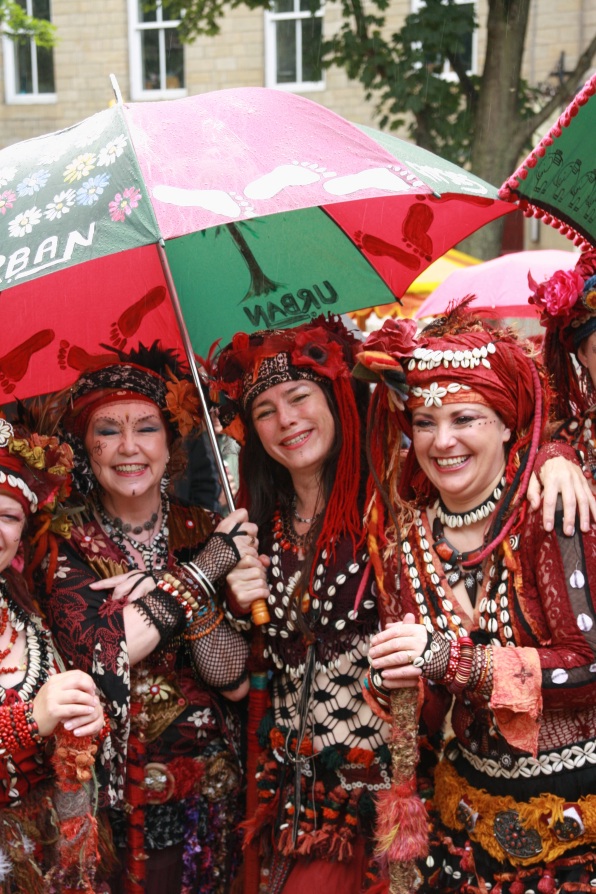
297, 440
451, 461
133, 467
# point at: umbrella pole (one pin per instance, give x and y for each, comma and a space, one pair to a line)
259, 611
196, 377
257, 698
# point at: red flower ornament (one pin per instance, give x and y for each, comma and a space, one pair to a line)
323, 356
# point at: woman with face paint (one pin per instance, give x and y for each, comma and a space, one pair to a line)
492, 613
135, 601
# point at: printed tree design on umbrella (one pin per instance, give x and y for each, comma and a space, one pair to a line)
260, 283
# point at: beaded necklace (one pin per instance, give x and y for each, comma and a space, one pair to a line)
37, 649
452, 560
317, 604
436, 609
154, 554
285, 534
461, 519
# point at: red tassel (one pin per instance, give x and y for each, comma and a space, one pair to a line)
402, 824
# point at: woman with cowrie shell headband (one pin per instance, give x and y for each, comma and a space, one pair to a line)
490, 613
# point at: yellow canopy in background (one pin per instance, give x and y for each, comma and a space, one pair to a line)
420, 289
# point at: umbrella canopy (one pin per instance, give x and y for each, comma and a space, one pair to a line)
500, 286
420, 289
259, 208
557, 181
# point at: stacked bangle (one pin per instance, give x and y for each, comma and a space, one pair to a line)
200, 578
204, 616
451, 671
481, 675
374, 683
169, 588
203, 626
464, 664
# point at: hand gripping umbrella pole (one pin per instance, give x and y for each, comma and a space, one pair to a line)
258, 609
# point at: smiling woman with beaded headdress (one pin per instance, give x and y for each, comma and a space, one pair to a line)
135, 602
505, 611
48, 836
292, 404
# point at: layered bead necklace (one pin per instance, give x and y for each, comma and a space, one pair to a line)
436, 609
452, 558
38, 651
155, 552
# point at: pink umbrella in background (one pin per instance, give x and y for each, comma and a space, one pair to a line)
500, 286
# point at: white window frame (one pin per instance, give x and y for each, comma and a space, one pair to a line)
271, 19
12, 95
448, 74
135, 31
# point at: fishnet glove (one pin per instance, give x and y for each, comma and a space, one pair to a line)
161, 610
218, 652
220, 657
219, 556
436, 668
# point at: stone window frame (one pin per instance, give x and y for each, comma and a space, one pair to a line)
135, 31
272, 17
12, 96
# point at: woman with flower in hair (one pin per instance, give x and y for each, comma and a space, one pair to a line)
504, 611
48, 718
135, 602
568, 314
289, 399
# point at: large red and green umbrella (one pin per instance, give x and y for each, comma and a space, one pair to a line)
557, 181
257, 207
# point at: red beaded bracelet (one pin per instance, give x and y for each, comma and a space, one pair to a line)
464, 665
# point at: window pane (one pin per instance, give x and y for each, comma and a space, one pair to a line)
286, 52
146, 15
311, 49
41, 9
23, 77
150, 59
174, 60
283, 6
45, 71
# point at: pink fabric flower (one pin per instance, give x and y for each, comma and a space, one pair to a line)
396, 338
559, 295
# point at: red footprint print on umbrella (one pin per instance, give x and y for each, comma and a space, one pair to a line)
129, 320
414, 230
14, 365
74, 357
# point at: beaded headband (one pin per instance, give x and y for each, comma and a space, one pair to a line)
321, 351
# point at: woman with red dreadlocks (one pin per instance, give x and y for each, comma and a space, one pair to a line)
568, 304
48, 834
498, 615
292, 404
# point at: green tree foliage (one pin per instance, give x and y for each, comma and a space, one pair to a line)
21, 27
485, 122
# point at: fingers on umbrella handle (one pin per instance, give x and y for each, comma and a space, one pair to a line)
259, 612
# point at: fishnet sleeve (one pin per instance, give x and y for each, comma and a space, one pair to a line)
219, 653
